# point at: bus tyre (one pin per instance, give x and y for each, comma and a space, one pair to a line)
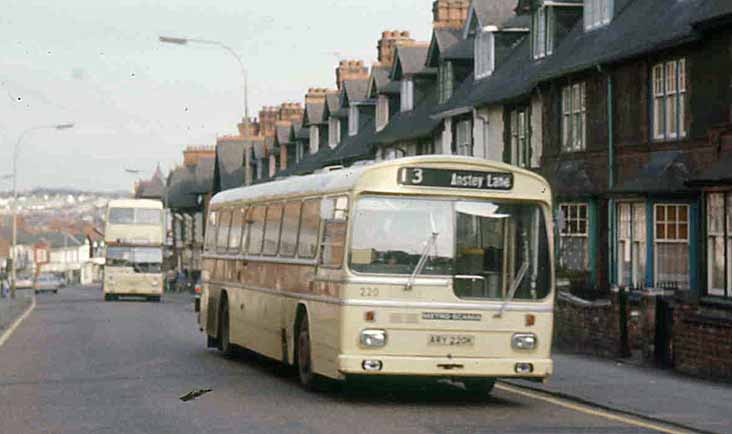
479, 387
223, 339
308, 378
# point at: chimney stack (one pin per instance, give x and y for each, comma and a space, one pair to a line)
449, 14
248, 127
193, 154
388, 43
290, 111
350, 70
267, 119
315, 95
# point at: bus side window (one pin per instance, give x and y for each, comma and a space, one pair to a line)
290, 226
246, 215
334, 231
210, 231
236, 229
222, 240
272, 229
307, 244
256, 230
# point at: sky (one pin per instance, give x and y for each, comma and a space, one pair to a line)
137, 103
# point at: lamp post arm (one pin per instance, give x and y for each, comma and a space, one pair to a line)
242, 68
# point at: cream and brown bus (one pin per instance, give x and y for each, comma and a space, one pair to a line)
134, 236
434, 267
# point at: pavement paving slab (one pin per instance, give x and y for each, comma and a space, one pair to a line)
656, 393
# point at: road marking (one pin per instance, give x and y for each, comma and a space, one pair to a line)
586, 409
6, 335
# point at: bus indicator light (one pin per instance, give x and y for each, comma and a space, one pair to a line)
370, 316
530, 320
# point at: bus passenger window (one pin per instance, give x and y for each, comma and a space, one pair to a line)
235, 232
246, 215
211, 227
223, 234
272, 229
290, 223
256, 230
309, 226
334, 232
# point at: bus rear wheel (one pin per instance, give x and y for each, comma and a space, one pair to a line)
309, 379
224, 342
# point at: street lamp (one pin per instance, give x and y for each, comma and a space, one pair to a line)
16, 149
186, 41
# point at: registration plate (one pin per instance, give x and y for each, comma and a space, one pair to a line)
452, 340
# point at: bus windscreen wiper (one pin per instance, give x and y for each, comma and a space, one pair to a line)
422, 261
514, 287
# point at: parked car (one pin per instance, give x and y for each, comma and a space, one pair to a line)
24, 282
48, 282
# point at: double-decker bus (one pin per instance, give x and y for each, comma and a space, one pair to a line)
134, 235
435, 267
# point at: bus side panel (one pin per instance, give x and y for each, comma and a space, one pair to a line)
212, 300
325, 325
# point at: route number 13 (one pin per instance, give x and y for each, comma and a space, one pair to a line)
412, 176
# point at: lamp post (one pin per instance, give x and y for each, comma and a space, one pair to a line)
16, 150
231, 51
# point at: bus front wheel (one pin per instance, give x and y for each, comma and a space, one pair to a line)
308, 378
479, 387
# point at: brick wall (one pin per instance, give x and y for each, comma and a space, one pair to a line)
703, 341
587, 327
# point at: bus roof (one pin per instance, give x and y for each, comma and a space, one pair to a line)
347, 178
135, 203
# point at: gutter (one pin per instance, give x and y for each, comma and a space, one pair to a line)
451, 113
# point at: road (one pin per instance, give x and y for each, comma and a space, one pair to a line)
78, 364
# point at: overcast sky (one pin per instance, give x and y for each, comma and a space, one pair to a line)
137, 102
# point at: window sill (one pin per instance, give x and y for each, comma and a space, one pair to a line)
716, 301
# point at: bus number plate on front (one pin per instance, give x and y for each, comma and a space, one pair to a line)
452, 340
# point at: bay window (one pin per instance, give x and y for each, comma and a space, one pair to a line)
631, 245
671, 238
669, 100
574, 240
719, 244
574, 117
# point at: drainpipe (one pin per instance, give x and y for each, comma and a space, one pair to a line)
611, 177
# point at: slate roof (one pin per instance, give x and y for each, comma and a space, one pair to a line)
410, 59
302, 133
355, 90
463, 50
379, 78
492, 12
640, 26
153, 188
442, 40
230, 164
282, 134
333, 102
314, 113
181, 182
719, 173
665, 173
713, 10
411, 124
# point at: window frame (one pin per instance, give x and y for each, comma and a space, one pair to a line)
726, 235
542, 28
317, 201
519, 121
574, 117
464, 134
299, 204
346, 214
668, 106
565, 232
635, 263
219, 248
334, 131
446, 81
353, 120
667, 240
382, 112
250, 221
484, 53
407, 95
267, 222
597, 13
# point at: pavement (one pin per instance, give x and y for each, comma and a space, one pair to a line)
645, 391
78, 364
10, 309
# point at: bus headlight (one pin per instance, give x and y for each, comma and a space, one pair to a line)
523, 341
373, 338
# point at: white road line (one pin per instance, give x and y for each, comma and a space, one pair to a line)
6, 335
586, 409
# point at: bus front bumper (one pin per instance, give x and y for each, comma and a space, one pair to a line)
445, 367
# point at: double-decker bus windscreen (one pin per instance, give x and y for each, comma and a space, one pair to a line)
140, 259
135, 216
490, 249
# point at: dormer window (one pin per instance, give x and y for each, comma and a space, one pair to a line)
334, 132
353, 121
446, 81
407, 95
543, 32
314, 139
382, 112
598, 13
485, 60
